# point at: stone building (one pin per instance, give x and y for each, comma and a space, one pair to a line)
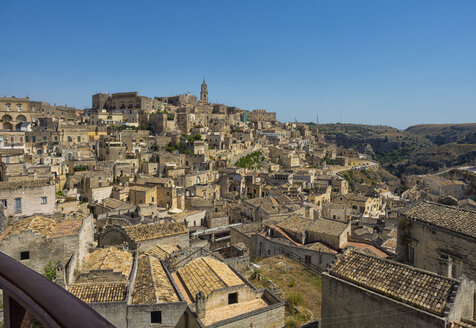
218, 296
123, 101
35, 241
133, 290
364, 291
438, 238
24, 198
16, 111
111, 150
142, 195
261, 115
143, 236
204, 93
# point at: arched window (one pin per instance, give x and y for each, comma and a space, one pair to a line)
7, 118
8, 107
21, 118
19, 107
7, 126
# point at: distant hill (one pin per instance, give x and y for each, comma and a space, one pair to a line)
441, 134
419, 149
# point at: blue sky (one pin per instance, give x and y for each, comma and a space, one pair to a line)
396, 63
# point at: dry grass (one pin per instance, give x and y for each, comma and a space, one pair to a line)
300, 287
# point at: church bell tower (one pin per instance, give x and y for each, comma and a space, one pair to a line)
204, 93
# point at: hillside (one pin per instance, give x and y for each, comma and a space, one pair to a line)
441, 134
420, 149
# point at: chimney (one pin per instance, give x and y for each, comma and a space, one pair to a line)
60, 277
200, 305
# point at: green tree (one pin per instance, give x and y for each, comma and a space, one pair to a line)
50, 270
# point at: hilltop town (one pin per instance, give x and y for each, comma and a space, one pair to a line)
180, 212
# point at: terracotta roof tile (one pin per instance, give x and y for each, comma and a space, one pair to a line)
143, 232
66, 228
36, 224
100, 292
443, 216
152, 284
207, 274
109, 259
418, 288
295, 224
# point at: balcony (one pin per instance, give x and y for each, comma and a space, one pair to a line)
27, 295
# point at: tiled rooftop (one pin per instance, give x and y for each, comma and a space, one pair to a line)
35, 224
295, 224
109, 259
152, 284
329, 227
66, 228
143, 232
160, 252
417, 288
47, 227
207, 274
320, 247
100, 292
443, 216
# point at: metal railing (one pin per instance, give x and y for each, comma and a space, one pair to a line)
27, 294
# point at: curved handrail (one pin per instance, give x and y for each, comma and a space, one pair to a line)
52, 305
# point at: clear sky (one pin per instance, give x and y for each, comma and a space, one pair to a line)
396, 63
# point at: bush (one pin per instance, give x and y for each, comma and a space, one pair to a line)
295, 299
50, 270
291, 323
255, 274
291, 283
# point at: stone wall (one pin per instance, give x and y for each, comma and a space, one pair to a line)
181, 240
264, 247
432, 244
347, 305
114, 312
31, 199
172, 315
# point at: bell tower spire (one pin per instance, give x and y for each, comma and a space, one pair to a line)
204, 92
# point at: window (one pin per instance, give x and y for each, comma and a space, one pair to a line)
4, 203
17, 205
33, 138
156, 317
152, 199
45, 139
232, 298
27, 138
411, 254
56, 138
307, 258
19, 107
70, 139
8, 107
79, 139
24, 256
7, 159
44, 200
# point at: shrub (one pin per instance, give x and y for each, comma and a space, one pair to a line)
291, 323
255, 273
291, 283
50, 270
295, 299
